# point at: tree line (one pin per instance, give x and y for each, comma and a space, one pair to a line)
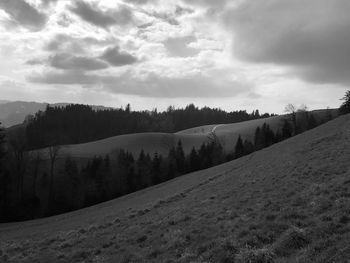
76, 123
33, 186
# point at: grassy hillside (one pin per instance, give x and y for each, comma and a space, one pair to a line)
287, 203
162, 142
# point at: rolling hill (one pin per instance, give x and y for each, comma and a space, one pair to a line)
286, 203
162, 142
15, 112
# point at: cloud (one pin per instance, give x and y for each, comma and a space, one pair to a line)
71, 62
180, 11
151, 85
141, 2
48, 2
118, 58
179, 46
24, 14
64, 77
311, 37
102, 18
210, 3
66, 43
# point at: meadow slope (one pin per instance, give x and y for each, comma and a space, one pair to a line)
162, 142
286, 203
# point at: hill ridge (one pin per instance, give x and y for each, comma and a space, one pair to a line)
298, 184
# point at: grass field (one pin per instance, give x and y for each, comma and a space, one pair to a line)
286, 203
162, 142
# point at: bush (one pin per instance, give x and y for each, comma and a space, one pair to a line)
262, 255
345, 107
291, 240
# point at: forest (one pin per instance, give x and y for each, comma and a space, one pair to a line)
32, 186
81, 123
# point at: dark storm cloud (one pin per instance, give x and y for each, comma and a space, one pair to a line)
102, 18
312, 37
118, 58
178, 47
150, 86
71, 62
24, 14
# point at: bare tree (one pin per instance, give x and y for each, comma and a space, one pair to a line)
19, 159
53, 154
36, 157
292, 110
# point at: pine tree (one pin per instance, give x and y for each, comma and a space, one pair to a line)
194, 162
4, 179
311, 122
156, 169
287, 130
107, 161
180, 158
172, 168
258, 139
239, 148
248, 147
345, 107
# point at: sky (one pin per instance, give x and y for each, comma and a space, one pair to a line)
230, 54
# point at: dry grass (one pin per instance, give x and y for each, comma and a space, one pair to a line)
286, 203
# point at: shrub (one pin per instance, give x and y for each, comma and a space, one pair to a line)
293, 239
262, 255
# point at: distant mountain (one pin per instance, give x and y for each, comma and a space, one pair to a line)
15, 112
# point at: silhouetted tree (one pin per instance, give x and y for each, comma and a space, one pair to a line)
292, 110
239, 148
258, 139
36, 161
311, 122
82, 123
180, 158
248, 147
53, 154
18, 158
345, 107
172, 168
194, 162
4, 178
287, 130
156, 169
107, 161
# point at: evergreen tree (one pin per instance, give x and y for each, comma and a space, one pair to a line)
107, 161
4, 179
248, 147
269, 136
345, 107
172, 168
239, 148
156, 169
180, 158
287, 130
311, 122
258, 139
2, 147
194, 162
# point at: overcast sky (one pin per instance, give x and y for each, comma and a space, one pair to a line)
233, 54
